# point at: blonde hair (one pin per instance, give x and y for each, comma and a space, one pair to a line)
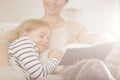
10, 36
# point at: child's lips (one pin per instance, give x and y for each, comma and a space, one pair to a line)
45, 46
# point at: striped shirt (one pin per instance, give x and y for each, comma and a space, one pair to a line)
24, 54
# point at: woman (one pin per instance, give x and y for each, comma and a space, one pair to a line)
65, 32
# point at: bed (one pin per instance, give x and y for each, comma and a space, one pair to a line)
9, 26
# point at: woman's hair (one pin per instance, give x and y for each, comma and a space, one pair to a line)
67, 1
27, 25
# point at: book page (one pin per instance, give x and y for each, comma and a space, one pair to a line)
78, 45
75, 52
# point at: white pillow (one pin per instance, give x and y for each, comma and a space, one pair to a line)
7, 26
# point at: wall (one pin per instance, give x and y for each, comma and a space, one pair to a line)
97, 15
18, 10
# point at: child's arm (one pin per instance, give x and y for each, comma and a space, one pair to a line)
27, 54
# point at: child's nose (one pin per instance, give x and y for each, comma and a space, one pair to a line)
46, 39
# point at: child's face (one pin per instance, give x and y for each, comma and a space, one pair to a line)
41, 37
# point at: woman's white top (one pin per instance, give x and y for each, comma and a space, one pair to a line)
59, 37
66, 34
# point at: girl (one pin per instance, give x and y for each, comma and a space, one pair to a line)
28, 41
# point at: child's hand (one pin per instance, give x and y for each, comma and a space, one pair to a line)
55, 54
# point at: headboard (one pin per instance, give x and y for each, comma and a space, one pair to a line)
7, 26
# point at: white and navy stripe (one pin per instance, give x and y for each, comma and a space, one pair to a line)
24, 53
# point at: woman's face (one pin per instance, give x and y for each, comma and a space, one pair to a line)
53, 7
41, 37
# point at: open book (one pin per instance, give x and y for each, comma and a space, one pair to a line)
77, 51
